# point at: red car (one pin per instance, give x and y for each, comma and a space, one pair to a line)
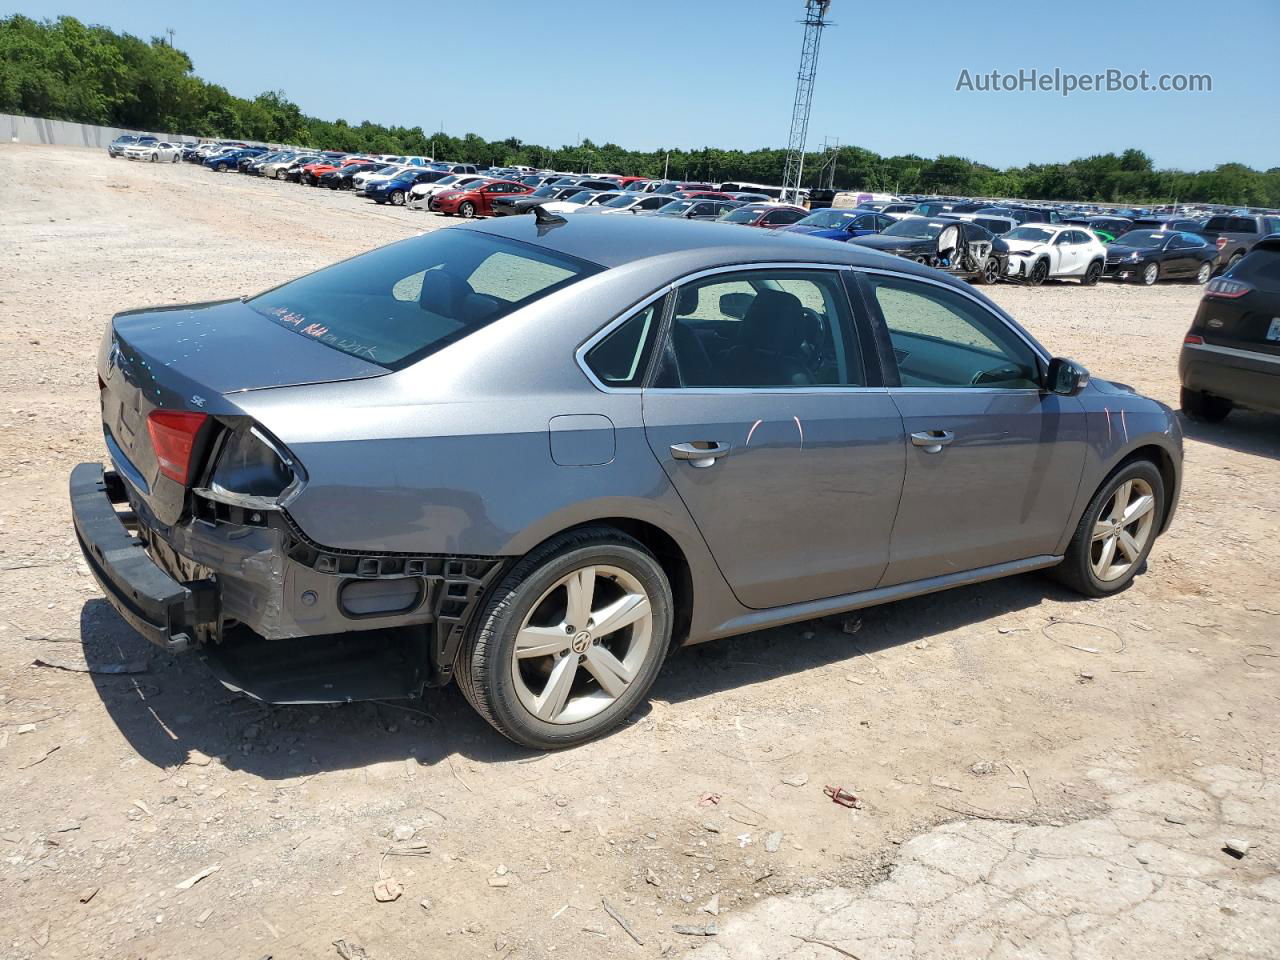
312, 172
476, 200
767, 215
700, 195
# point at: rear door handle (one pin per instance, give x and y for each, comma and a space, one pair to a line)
932, 440
699, 453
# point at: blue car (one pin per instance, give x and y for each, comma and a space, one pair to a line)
229, 161
832, 224
396, 190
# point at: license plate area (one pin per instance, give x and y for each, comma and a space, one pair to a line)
1273, 331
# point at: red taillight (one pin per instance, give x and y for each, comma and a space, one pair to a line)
172, 437
1192, 338
1226, 289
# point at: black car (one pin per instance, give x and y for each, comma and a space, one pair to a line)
1231, 354
525, 202
1150, 255
938, 208
340, 179
957, 246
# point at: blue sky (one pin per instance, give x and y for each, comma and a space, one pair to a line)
722, 72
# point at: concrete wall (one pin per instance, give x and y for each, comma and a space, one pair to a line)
63, 133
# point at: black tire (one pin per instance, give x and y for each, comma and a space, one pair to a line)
484, 671
467, 209
1092, 275
1204, 407
990, 272
1076, 569
1203, 273
1039, 273
397, 198
1150, 274
282, 174
154, 156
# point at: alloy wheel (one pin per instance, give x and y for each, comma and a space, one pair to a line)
1122, 529
1202, 275
582, 644
1150, 274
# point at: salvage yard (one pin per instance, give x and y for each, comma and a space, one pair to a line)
1036, 774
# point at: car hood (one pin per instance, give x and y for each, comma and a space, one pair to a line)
1125, 250
1024, 247
829, 232
878, 241
227, 346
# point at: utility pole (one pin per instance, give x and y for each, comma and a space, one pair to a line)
815, 18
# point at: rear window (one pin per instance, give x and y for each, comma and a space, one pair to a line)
400, 303
1260, 267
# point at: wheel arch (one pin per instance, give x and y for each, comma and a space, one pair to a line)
672, 556
1168, 475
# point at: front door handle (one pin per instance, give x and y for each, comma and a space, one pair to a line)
932, 440
699, 453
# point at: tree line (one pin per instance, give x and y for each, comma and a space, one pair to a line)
63, 69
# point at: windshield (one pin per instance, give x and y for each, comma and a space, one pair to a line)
636, 186
825, 219
928, 209
1030, 234
917, 229
449, 180
1144, 238
667, 188
545, 192
401, 302
675, 207
582, 196
742, 215
622, 201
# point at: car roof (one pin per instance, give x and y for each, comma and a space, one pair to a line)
614, 241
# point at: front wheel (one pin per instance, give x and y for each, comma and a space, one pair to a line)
155, 157
1204, 406
1203, 274
397, 198
467, 209
990, 272
1092, 275
1039, 273
1150, 274
1116, 533
570, 641
282, 175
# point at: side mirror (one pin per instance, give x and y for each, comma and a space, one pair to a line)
1066, 377
735, 305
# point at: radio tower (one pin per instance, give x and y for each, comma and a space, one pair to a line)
815, 18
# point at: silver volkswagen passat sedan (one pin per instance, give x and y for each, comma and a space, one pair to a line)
536, 454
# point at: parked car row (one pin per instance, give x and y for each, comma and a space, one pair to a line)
983, 240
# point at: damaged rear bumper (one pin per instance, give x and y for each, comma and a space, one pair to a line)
165, 611
278, 616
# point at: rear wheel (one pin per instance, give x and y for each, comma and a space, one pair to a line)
1203, 274
1204, 406
1116, 533
1092, 275
397, 198
1150, 274
570, 641
467, 209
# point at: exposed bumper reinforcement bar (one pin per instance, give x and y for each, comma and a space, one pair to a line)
160, 608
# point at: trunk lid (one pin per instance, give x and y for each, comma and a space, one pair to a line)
195, 359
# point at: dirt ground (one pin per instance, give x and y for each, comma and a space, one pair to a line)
985, 712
